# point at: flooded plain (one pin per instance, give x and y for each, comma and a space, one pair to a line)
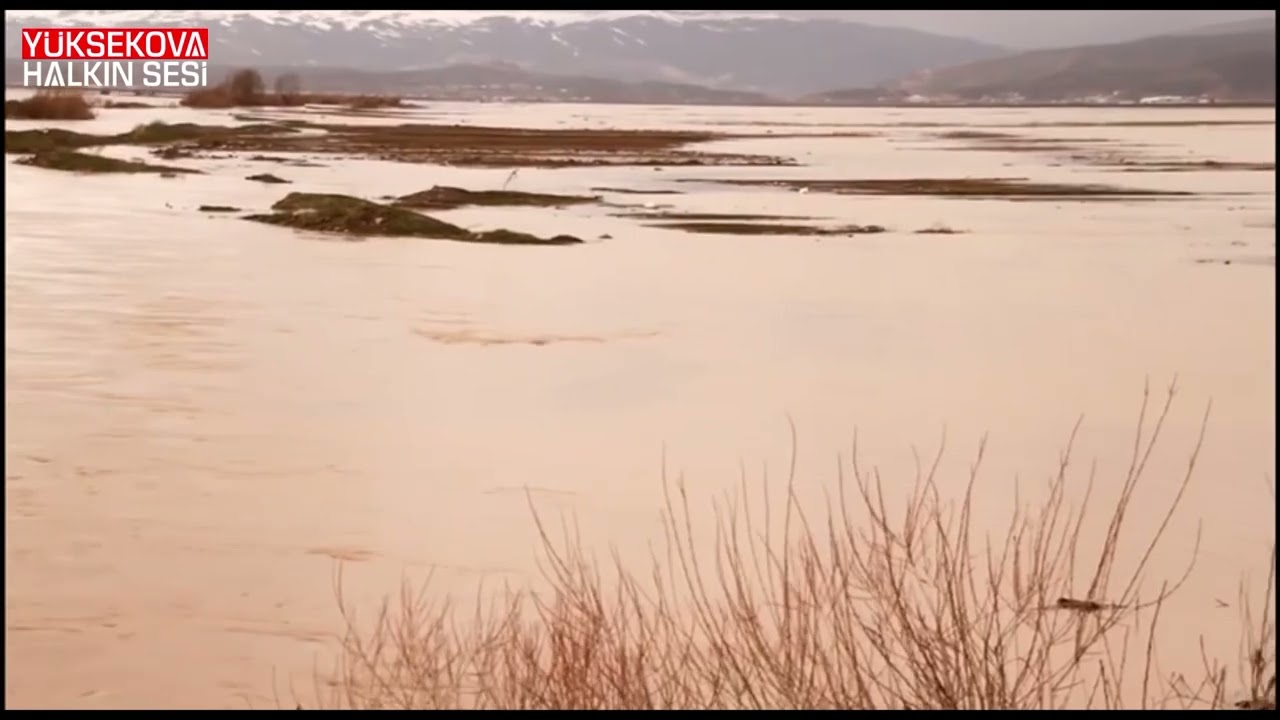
205, 415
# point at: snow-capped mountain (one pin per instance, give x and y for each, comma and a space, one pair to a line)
744, 50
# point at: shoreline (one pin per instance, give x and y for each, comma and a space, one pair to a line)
776, 103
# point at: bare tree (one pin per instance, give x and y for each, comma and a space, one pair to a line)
246, 86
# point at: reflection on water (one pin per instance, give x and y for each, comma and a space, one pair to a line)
204, 415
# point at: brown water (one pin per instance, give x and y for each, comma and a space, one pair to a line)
203, 413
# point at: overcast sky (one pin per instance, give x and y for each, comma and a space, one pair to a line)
1040, 28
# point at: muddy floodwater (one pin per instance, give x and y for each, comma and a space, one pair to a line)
205, 415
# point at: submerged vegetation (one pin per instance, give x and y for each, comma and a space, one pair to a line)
357, 218
939, 229
872, 604
268, 179
769, 228
1012, 188
435, 144
72, 161
155, 133
448, 198
746, 224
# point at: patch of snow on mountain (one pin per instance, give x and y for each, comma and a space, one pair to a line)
354, 18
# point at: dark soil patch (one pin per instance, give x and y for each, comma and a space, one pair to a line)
1067, 124
1143, 123
435, 144
985, 138
352, 111
709, 217
1011, 188
125, 105
512, 147
511, 237
782, 123
218, 208
30, 141
358, 218
292, 162
771, 135
172, 153
765, 228
188, 137
991, 141
334, 213
975, 135
626, 191
268, 178
446, 198
78, 162
1013, 147
940, 230
1137, 166
158, 132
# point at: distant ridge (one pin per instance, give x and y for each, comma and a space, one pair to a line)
486, 82
1227, 67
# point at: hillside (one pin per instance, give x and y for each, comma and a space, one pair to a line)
500, 81
494, 82
1223, 66
757, 52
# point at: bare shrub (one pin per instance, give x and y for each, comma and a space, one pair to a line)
245, 86
50, 105
370, 102
861, 607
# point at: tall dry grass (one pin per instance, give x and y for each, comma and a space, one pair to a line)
864, 606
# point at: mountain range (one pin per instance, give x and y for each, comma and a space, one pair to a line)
1228, 64
688, 57
747, 52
